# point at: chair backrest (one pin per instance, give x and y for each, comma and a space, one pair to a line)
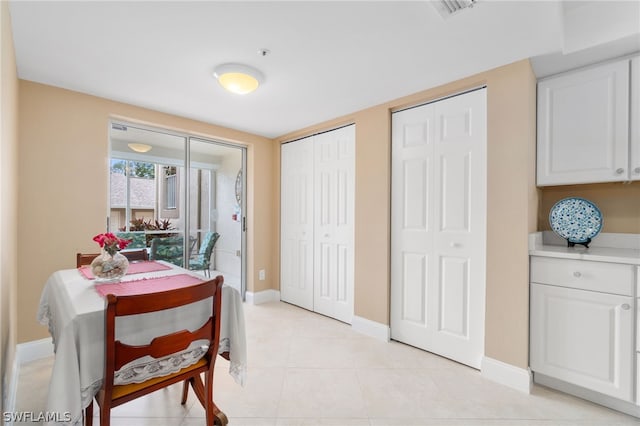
131, 255
208, 243
170, 249
85, 258
118, 354
136, 255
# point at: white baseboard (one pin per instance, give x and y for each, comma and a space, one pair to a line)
626, 407
25, 352
507, 374
264, 296
12, 387
371, 328
34, 350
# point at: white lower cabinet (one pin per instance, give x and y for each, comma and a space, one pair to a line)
584, 338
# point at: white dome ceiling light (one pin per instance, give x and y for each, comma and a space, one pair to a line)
140, 147
238, 78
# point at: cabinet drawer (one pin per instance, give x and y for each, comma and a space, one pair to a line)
604, 277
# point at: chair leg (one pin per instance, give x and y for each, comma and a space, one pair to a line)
220, 419
105, 414
88, 414
185, 391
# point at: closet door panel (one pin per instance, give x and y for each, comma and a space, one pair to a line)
412, 201
460, 237
333, 231
296, 260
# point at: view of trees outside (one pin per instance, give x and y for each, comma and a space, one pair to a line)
136, 168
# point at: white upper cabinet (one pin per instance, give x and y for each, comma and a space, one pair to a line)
635, 119
583, 126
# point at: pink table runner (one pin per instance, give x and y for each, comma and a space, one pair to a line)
147, 285
134, 268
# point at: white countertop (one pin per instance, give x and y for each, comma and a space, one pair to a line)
615, 248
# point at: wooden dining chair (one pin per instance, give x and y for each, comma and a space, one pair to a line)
132, 255
136, 255
85, 258
119, 354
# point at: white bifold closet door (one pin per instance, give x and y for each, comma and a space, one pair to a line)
296, 223
317, 211
438, 226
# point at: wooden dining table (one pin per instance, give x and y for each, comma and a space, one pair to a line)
72, 306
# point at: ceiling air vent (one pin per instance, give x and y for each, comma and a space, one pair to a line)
447, 8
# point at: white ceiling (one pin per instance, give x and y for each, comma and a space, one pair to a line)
327, 58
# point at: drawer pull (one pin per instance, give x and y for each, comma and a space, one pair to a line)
577, 274
625, 306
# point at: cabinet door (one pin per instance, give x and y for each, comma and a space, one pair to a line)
635, 119
583, 131
584, 338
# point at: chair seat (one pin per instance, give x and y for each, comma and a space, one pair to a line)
120, 391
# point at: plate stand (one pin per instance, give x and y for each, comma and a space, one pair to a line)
584, 243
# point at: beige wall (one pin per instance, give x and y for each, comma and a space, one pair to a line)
512, 203
8, 201
618, 202
63, 170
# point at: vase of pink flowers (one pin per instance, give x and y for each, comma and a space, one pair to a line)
110, 265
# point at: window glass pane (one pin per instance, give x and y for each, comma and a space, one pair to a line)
147, 186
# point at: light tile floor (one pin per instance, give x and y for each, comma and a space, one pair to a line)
306, 369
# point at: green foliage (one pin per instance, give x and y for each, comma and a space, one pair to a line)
136, 168
118, 166
143, 170
138, 225
149, 225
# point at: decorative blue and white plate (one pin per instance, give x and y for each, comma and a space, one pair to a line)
575, 219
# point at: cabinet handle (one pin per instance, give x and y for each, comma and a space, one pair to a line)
625, 306
577, 274
620, 171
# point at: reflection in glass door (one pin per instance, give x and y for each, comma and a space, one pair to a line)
215, 219
155, 199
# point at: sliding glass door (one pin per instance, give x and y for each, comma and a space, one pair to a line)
190, 216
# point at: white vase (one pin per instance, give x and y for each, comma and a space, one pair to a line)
107, 268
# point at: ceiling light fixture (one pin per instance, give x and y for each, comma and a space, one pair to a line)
447, 8
238, 78
139, 147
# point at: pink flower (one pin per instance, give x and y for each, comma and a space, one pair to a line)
111, 243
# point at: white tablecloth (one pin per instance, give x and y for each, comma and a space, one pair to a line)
74, 313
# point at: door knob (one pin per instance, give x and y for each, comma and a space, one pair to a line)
637, 170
